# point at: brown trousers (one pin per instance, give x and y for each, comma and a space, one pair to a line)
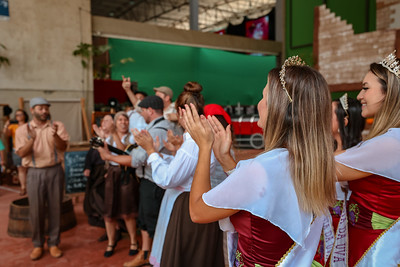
45, 192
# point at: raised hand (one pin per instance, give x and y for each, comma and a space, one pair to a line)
198, 127
126, 83
222, 137
145, 140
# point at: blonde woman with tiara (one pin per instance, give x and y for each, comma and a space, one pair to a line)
275, 201
372, 170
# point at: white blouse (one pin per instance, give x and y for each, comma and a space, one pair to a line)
379, 155
114, 144
177, 171
263, 186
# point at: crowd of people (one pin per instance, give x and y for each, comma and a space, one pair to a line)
320, 194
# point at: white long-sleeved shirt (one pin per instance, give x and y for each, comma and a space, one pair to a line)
178, 171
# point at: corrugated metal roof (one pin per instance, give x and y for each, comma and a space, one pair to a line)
213, 14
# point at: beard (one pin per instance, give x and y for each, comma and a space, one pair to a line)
41, 117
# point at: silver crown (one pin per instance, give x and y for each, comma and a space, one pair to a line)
392, 64
291, 61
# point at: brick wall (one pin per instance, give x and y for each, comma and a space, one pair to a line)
386, 14
344, 57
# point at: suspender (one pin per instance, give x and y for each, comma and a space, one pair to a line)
55, 150
157, 121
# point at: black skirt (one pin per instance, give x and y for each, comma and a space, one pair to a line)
93, 203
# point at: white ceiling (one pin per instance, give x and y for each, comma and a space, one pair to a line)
213, 14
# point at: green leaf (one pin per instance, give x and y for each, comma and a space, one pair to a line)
126, 60
84, 63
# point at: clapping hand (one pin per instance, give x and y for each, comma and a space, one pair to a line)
222, 138
54, 128
31, 132
98, 131
198, 127
145, 140
173, 142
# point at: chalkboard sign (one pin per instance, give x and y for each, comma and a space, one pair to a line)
74, 162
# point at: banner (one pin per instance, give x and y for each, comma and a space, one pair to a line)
4, 13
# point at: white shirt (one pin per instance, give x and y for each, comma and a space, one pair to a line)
177, 172
170, 109
114, 144
136, 121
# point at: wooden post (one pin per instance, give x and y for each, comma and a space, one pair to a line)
21, 103
85, 119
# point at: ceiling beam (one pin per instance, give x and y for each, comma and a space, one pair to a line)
123, 29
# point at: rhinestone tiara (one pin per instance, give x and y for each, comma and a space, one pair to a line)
392, 64
344, 102
291, 61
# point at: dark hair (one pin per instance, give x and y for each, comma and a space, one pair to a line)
141, 92
225, 124
7, 110
191, 94
351, 133
26, 117
222, 120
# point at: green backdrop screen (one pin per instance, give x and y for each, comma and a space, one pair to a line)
227, 77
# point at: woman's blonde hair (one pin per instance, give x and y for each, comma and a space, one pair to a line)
304, 128
388, 116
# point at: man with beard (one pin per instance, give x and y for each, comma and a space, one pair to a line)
41, 144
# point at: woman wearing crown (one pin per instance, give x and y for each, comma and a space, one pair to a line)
274, 201
373, 172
